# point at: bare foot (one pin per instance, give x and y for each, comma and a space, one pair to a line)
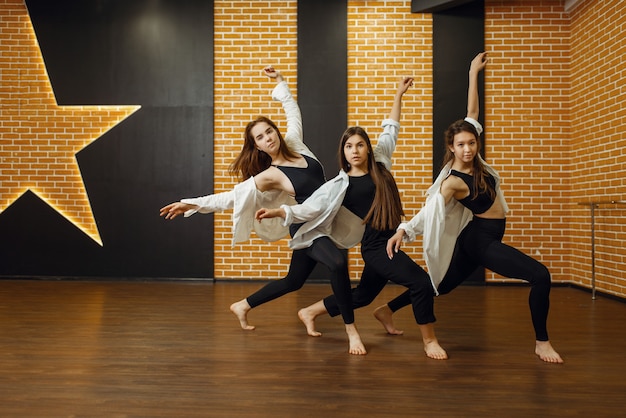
240, 309
434, 350
546, 353
356, 345
431, 344
385, 316
307, 316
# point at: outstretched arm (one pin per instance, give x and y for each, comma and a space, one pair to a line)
265, 213
478, 64
174, 209
211, 203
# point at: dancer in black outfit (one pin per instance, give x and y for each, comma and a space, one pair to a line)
276, 170
473, 184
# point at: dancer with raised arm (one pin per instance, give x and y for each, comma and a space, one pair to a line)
276, 171
463, 223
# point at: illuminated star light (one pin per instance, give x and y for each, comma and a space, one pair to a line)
38, 138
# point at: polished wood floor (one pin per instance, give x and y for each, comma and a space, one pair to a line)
173, 349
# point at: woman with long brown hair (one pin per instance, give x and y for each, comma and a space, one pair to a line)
264, 166
463, 224
276, 170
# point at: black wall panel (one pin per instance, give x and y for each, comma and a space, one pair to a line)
323, 76
458, 35
157, 53
323, 82
433, 6
116, 52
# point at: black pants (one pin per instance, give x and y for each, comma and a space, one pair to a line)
480, 244
303, 261
401, 270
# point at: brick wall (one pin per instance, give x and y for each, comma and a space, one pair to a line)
598, 142
248, 36
527, 119
555, 108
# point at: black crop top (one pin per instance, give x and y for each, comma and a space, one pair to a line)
483, 201
358, 199
305, 180
359, 195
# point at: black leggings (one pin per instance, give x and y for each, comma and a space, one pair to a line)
303, 261
480, 244
401, 270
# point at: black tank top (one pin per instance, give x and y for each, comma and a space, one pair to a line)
358, 199
360, 195
305, 181
482, 202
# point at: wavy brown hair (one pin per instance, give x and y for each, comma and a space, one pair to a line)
386, 211
479, 170
251, 161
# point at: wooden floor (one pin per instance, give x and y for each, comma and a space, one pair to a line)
162, 349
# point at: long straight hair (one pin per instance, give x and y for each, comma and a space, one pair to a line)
386, 211
251, 161
480, 172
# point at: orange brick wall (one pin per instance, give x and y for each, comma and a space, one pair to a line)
554, 113
598, 142
248, 36
527, 119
